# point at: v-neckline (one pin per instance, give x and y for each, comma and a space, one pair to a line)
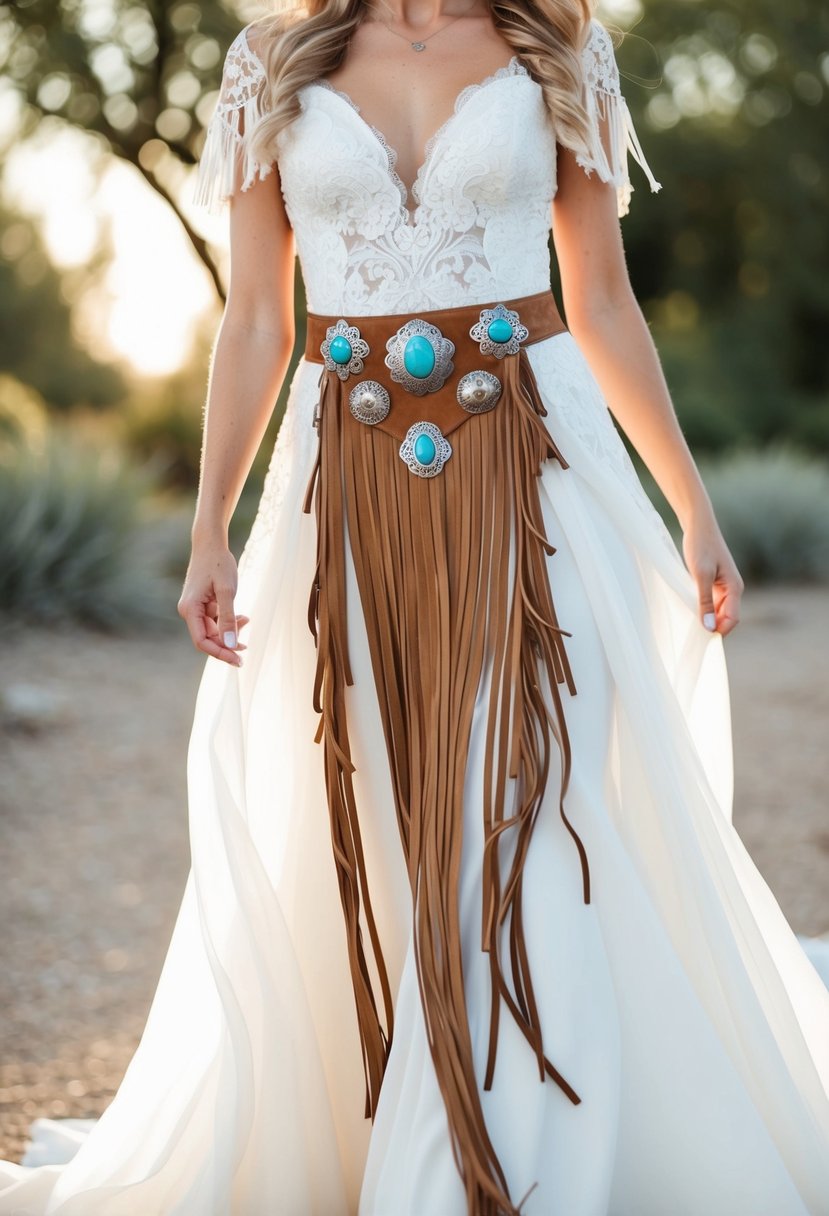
513, 67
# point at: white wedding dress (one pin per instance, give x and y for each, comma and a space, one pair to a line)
679, 1002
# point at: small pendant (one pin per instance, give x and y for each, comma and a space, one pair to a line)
418, 46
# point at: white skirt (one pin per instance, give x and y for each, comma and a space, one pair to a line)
678, 1003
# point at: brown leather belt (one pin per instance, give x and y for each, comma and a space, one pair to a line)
537, 312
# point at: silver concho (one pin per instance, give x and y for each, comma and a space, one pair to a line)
478, 392
369, 401
499, 318
424, 449
442, 351
349, 344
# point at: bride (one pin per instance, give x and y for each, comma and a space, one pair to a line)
468, 929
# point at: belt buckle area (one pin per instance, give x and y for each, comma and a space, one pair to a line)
419, 357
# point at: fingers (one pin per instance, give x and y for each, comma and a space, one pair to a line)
719, 601
226, 623
728, 607
204, 622
213, 627
707, 609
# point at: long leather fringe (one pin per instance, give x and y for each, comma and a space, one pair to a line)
452, 574
327, 621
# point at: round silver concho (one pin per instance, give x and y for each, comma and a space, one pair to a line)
419, 357
344, 350
498, 331
369, 401
424, 449
478, 392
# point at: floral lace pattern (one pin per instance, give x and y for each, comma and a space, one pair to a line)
605, 105
513, 68
598, 62
488, 173
578, 405
226, 156
243, 74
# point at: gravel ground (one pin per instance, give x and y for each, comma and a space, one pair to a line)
94, 830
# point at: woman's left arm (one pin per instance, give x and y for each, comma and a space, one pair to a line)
607, 323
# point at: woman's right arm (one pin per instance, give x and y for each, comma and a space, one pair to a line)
250, 359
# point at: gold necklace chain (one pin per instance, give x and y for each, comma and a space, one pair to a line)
420, 44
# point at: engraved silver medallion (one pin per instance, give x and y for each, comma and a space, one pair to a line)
478, 391
498, 331
344, 350
369, 401
419, 357
425, 450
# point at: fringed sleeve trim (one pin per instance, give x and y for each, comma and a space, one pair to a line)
604, 101
226, 160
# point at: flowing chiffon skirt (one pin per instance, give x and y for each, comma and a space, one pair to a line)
679, 1002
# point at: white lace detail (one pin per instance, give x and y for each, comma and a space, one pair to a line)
579, 406
488, 174
604, 102
391, 153
474, 225
226, 155
513, 68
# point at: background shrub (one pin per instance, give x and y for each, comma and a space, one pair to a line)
773, 508
80, 536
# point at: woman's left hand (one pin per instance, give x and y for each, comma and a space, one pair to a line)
719, 585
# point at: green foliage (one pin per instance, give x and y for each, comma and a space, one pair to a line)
140, 77
129, 72
37, 342
773, 509
731, 259
76, 536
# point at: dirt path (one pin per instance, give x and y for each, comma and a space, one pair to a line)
94, 831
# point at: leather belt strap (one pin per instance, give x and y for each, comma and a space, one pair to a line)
538, 312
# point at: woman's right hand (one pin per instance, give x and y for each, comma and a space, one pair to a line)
206, 602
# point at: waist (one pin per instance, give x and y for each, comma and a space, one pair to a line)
538, 313
435, 367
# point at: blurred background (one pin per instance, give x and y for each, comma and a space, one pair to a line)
111, 289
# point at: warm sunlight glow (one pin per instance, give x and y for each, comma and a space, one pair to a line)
148, 302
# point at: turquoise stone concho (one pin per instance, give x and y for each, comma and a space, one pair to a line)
369, 401
419, 357
424, 449
343, 350
498, 331
478, 392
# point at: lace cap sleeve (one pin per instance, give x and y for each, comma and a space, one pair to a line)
604, 100
226, 160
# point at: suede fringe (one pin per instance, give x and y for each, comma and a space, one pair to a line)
434, 559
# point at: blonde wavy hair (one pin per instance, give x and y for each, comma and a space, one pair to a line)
299, 43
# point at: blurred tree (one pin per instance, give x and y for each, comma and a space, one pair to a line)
139, 74
732, 258
37, 343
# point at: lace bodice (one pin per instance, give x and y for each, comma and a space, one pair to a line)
476, 223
